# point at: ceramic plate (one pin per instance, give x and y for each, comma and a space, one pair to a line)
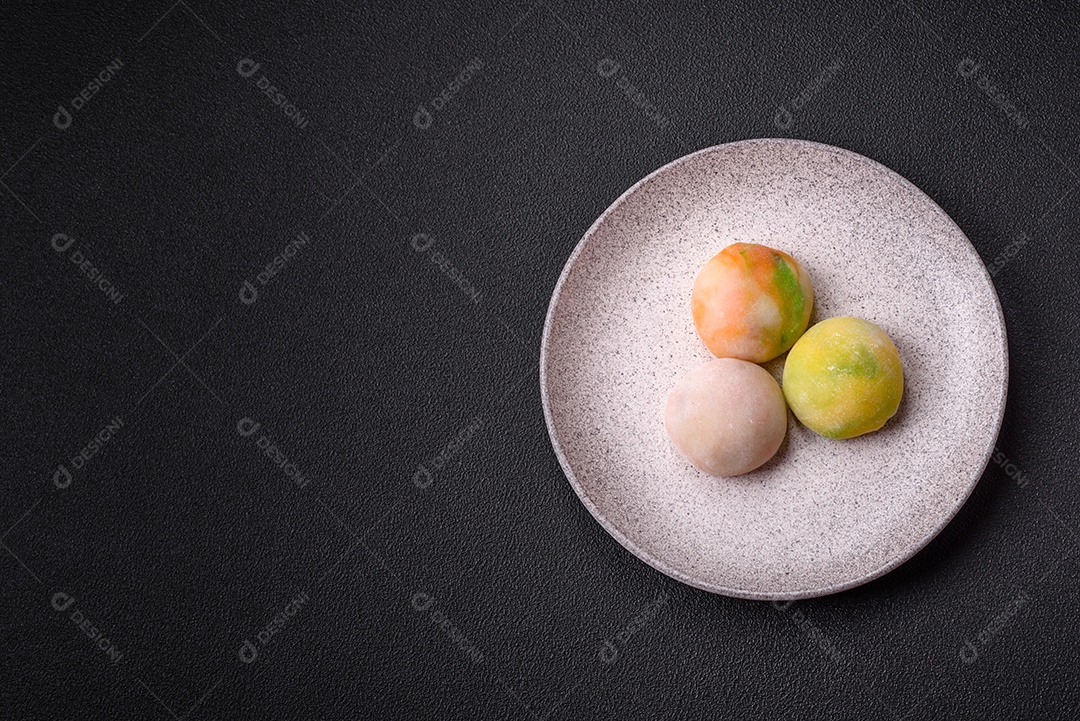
822, 515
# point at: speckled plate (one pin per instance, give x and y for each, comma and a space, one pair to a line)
822, 516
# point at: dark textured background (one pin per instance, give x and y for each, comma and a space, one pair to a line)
180, 540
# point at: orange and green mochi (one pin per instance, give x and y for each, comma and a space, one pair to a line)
843, 378
751, 302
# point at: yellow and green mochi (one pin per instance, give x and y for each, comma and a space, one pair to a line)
843, 378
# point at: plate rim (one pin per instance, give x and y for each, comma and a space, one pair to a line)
657, 563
